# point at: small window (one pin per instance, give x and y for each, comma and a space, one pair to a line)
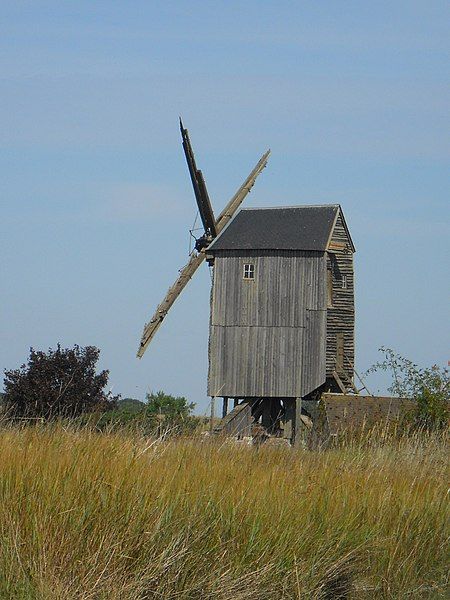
344, 282
249, 271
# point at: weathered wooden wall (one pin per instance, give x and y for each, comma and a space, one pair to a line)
341, 315
267, 335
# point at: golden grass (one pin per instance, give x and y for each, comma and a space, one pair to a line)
111, 516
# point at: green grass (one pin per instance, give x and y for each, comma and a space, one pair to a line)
113, 516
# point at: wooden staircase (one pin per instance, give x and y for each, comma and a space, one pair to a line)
237, 422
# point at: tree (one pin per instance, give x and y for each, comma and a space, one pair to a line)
131, 405
172, 414
57, 383
429, 387
171, 407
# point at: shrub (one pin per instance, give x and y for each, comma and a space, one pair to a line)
170, 406
173, 413
57, 383
163, 415
122, 418
131, 405
429, 387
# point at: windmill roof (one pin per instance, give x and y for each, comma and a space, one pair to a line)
283, 228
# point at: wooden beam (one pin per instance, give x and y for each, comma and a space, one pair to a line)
225, 407
289, 416
275, 413
212, 415
267, 414
242, 192
297, 422
307, 422
257, 408
337, 245
175, 290
339, 382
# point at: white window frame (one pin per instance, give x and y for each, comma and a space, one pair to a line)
248, 272
344, 282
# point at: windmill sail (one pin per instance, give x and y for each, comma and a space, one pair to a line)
196, 260
199, 185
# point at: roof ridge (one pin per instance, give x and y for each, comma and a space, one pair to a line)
293, 206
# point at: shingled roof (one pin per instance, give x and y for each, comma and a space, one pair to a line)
284, 228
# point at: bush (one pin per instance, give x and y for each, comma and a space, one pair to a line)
122, 418
162, 415
429, 387
170, 406
131, 405
173, 413
57, 383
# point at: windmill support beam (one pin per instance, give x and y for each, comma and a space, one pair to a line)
293, 422
289, 418
267, 414
296, 438
224, 407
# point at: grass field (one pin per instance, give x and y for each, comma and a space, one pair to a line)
109, 516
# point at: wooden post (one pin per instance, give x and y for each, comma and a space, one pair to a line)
224, 407
211, 419
289, 417
235, 402
275, 411
297, 422
266, 415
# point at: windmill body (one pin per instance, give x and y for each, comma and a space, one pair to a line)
282, 310
282, 307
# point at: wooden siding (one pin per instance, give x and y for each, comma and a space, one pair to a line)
314, 351
267, 335
341, 315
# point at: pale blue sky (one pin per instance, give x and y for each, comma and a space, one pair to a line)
96, 204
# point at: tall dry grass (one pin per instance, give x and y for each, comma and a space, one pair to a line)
114, 516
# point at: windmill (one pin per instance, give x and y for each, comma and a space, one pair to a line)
282, 315
212, 227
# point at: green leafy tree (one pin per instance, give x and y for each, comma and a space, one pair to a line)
429, 387
131, 405
57, 383
172, 407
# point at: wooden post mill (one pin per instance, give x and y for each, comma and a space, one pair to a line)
282, 307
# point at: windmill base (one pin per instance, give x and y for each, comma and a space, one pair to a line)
315, 418
261, 418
